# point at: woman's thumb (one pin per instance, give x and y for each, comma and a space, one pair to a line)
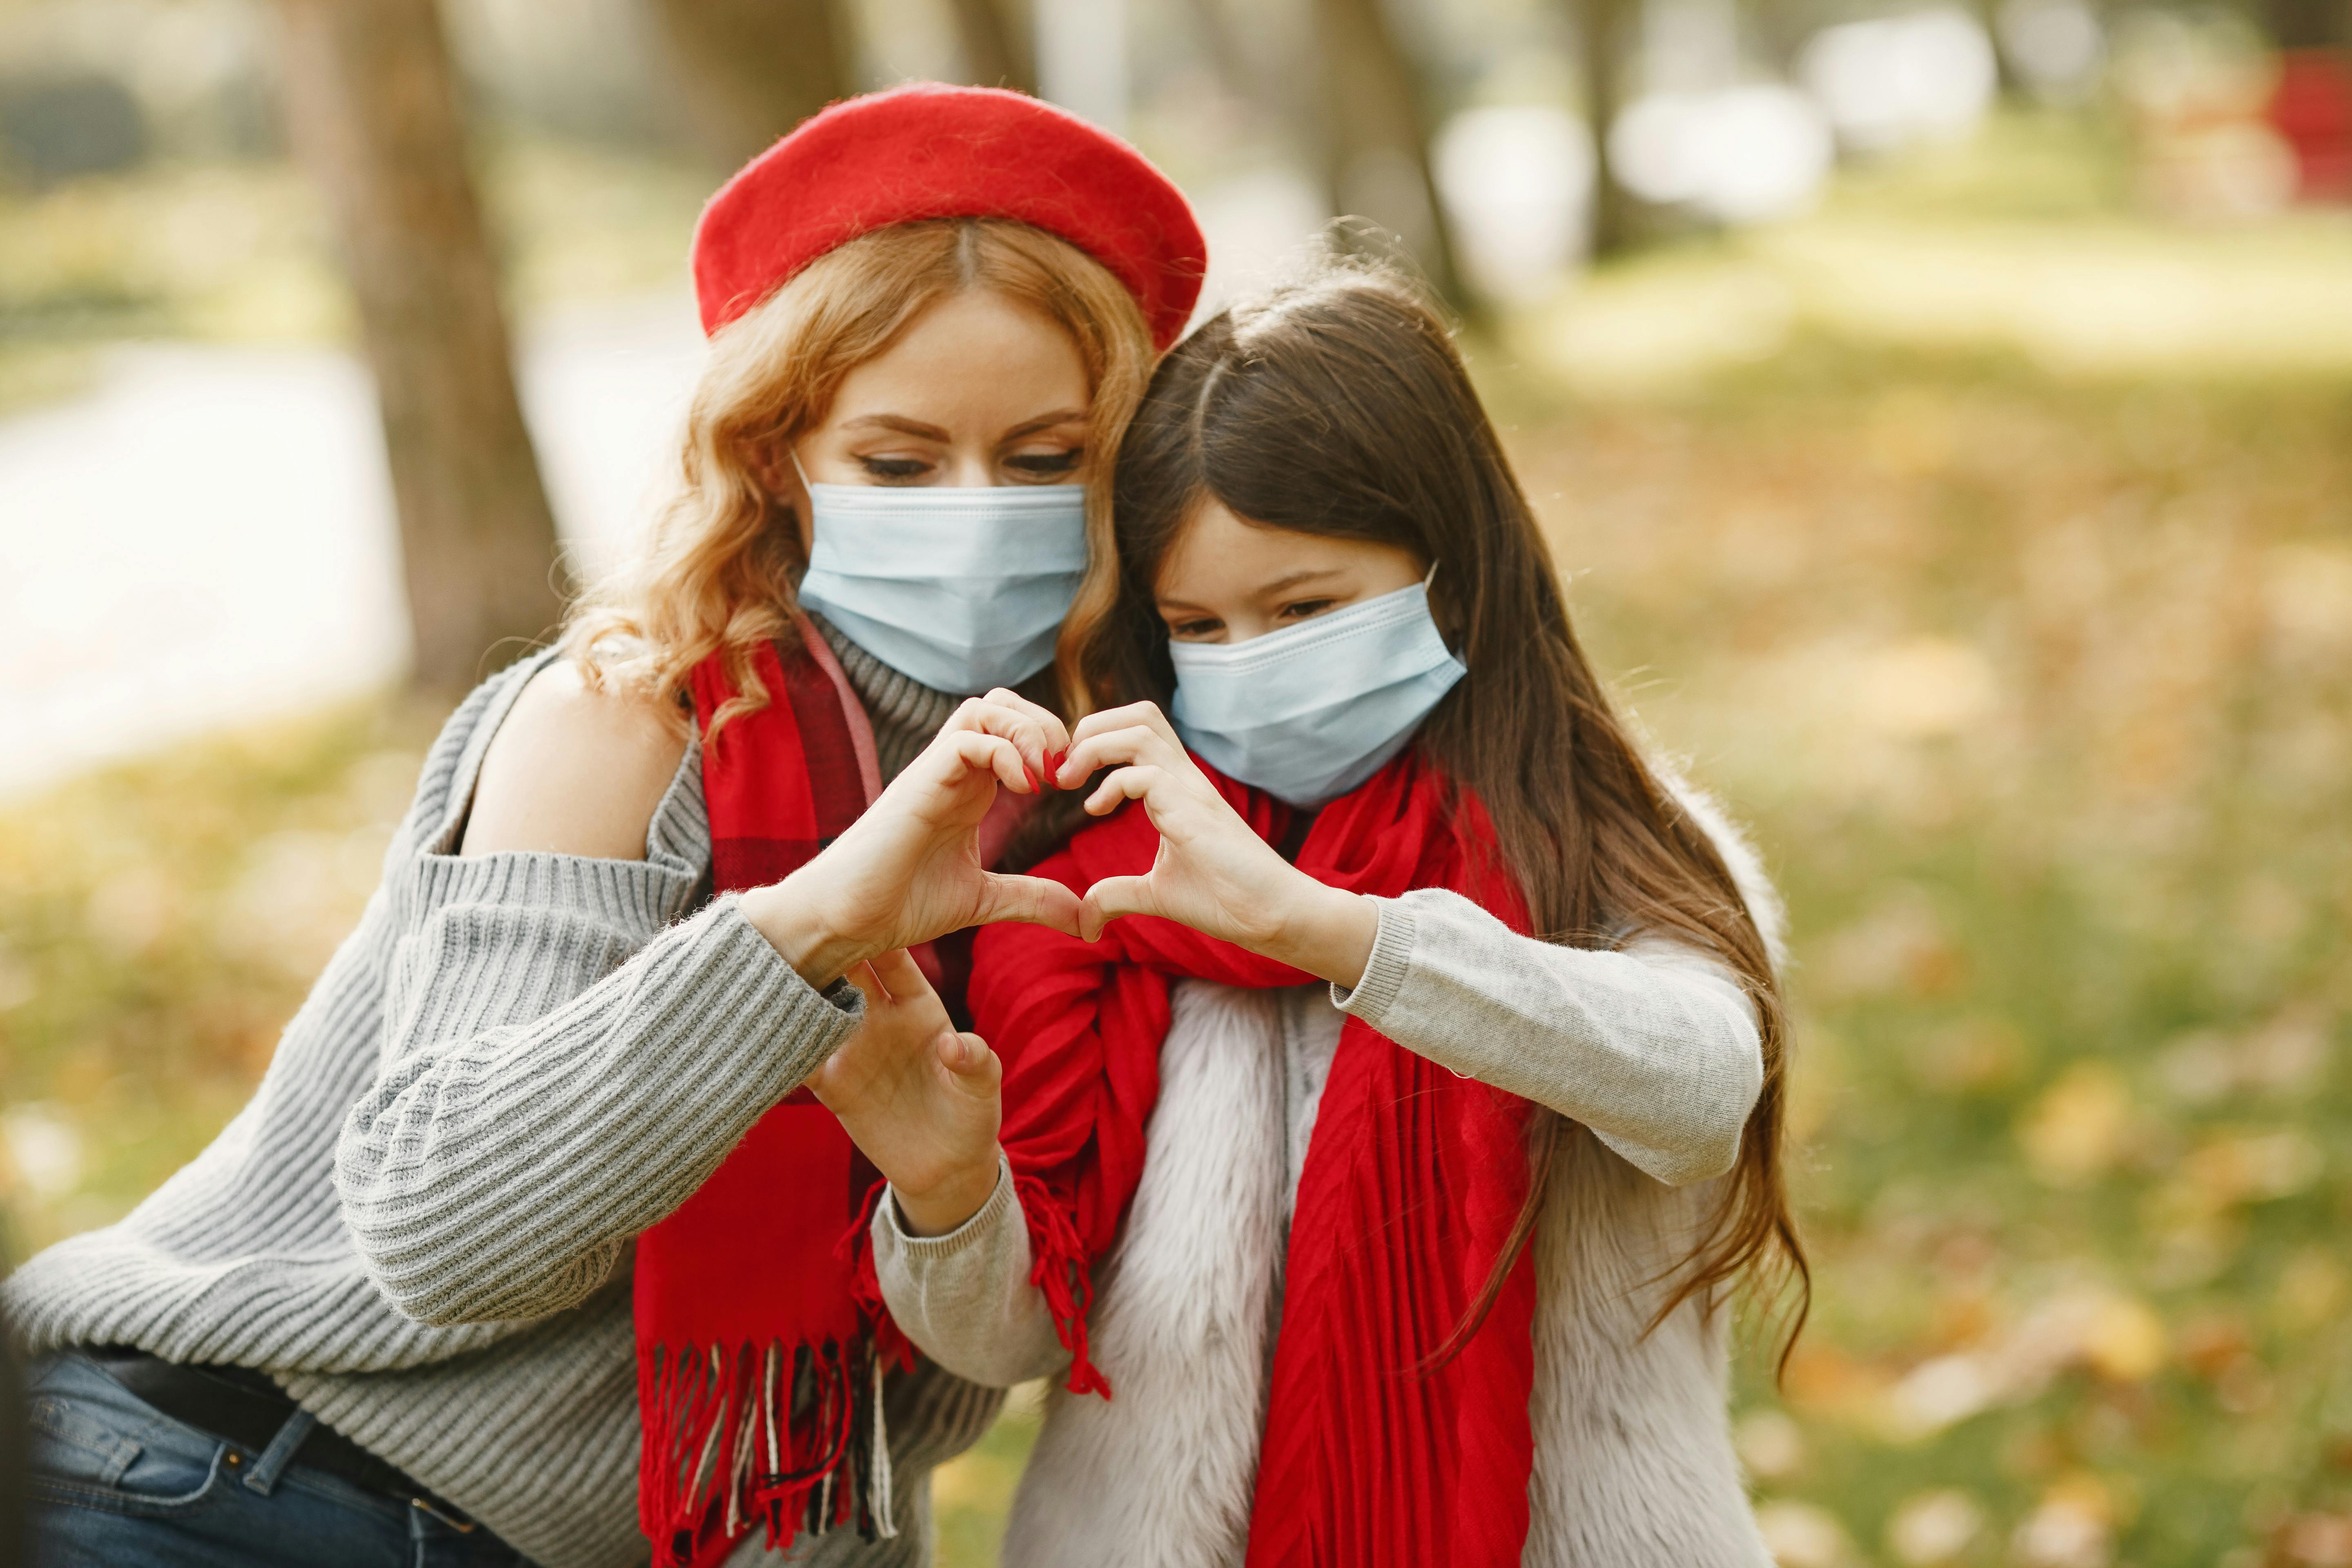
976, 1068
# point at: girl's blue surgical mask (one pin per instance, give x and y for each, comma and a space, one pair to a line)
1310, 711
961, 588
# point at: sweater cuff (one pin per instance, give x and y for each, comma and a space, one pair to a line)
1384, 972
963, 1237
764, 992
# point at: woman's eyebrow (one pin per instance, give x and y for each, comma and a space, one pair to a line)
1045, 422
1293, 578
898, 422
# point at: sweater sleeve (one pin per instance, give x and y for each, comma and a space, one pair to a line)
552, 1080
965, 1298
1655, 1047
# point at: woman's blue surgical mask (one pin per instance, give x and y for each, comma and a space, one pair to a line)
1310, 711
963, 588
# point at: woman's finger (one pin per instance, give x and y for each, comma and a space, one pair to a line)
989, 754
1056, 733
901, 977
1034, 733
869, 985
1127, 784
1115, 748
977, 1071
1040, 900
1111, 897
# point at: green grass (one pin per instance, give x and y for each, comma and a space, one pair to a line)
2039, 696
158, 923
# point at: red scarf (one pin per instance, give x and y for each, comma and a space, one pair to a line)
1413, 1178
759, 1352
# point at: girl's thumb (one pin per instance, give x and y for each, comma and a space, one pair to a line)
1109, 899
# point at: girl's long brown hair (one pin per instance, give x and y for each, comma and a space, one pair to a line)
1339, 406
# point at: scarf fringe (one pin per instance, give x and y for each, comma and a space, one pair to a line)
1059, 1269
746, 1436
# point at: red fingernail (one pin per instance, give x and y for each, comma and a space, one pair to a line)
1054, 760
1027, 774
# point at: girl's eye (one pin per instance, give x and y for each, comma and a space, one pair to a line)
1193, 631
891, 470
1305, 609
1047, 464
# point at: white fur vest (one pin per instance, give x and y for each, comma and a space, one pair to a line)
1633, 1465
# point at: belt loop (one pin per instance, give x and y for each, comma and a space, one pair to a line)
280, 1453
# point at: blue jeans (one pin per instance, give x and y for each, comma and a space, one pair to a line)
115, 1483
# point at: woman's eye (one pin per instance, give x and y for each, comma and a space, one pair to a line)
895, 469
1194, 631
1046, 463
1305, 609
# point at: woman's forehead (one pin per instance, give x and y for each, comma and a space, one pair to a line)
975, 361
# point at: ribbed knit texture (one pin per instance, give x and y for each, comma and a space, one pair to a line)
515, 1064
906, 712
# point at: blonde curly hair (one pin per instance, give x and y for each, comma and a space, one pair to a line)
718, 572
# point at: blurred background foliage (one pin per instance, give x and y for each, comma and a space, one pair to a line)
1952, 459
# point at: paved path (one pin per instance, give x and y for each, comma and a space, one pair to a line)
208, 534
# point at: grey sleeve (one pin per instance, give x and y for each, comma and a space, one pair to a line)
551, 1082
965, 1298
1655, 1047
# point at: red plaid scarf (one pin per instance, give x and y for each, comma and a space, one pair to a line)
758, 1354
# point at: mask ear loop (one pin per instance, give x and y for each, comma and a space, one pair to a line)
1427, 578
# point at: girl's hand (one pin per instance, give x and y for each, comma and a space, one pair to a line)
1213, 873
918, 1098
909, 868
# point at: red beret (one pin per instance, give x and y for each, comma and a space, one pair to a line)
927, 151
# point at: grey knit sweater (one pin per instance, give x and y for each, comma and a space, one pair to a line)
419, 1226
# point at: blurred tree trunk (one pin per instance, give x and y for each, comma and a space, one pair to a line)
1601, 48
998, 48
373, 104
1375, 137
752, 69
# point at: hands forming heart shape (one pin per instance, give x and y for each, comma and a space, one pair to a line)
920, 1098
910, 868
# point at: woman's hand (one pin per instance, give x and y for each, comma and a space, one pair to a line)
918, 1098
909, 868
1212, 873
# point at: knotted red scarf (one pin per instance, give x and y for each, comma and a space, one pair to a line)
1413, 1178
758, 1354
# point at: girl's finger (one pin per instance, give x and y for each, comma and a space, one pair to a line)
1040, 900
1135, 743
1125, 716
1111, 897
1127, 784
1160, 724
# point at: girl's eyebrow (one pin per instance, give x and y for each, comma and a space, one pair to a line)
1305, 574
